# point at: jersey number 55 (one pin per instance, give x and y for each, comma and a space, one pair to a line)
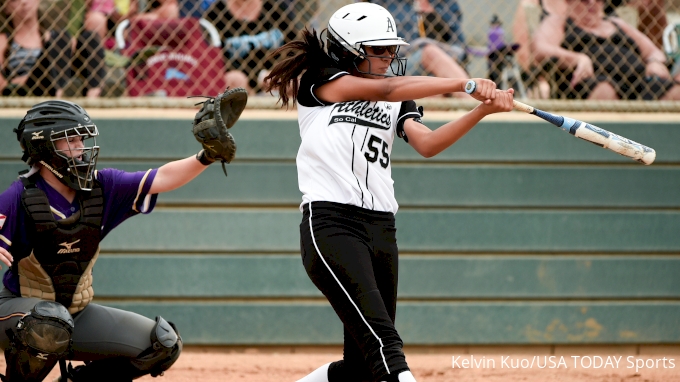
373, 146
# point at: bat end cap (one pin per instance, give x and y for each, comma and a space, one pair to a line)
648, 158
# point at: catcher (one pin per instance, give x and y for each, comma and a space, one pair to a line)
51, 223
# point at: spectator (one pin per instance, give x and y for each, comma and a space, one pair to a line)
522, 28
652, 21
38, 62
193, 8
103, 15
160, 9
302, 12
651, 13
250, 29
439, 20
602, 57
437, 43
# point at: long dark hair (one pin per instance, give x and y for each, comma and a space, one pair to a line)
293, 59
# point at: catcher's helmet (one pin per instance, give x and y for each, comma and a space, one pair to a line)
357, 25
50, 121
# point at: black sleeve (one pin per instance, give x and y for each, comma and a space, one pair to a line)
313, 79
408, 111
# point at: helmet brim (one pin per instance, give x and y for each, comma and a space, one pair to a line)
386, 42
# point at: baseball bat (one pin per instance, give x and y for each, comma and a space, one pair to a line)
594, 134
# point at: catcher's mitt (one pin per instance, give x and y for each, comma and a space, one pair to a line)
211, 123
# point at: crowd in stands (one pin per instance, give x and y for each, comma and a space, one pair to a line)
574, 49
38, 62
583, 49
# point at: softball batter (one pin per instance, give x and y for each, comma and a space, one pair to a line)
349, 110
51, 223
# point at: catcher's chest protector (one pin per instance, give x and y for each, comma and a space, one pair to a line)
64, 252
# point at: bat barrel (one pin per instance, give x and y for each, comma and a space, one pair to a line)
594, 134
614, 142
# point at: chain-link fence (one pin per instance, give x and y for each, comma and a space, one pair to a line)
545, 49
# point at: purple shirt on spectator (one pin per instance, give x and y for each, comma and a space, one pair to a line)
496, 38
125, 195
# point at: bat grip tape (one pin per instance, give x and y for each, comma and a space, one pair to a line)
552, 118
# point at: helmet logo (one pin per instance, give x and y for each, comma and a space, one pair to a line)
36, 135
390, 27
86, 118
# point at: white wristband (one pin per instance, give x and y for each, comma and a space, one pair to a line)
470, 87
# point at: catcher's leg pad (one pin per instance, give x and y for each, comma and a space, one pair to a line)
229, 106
39, 341
166, 346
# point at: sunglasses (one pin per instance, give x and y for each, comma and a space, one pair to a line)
380, 50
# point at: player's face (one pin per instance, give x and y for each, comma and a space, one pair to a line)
378, 60
72, 147
21, 8
586, 8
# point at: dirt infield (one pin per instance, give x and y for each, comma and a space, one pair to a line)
219, 365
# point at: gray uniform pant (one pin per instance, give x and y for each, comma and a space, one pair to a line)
99, 332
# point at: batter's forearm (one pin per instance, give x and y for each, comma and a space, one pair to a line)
442, 138
416, 87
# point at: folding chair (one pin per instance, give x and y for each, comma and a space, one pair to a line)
171, 57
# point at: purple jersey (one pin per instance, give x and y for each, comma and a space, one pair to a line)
125, 195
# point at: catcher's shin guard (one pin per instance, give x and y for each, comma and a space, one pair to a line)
166, 345
38, 342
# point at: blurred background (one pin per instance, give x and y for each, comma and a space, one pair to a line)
545, 49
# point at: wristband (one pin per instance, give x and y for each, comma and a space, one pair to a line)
204, 158
470, 87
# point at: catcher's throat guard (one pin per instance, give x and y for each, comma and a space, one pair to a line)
216, 116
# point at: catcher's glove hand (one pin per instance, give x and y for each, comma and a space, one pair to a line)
211, 123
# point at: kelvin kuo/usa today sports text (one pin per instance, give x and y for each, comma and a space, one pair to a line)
564, 362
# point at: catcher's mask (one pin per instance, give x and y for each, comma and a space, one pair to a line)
355, 26
51, 121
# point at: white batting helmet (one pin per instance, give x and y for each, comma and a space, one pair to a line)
357, 25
